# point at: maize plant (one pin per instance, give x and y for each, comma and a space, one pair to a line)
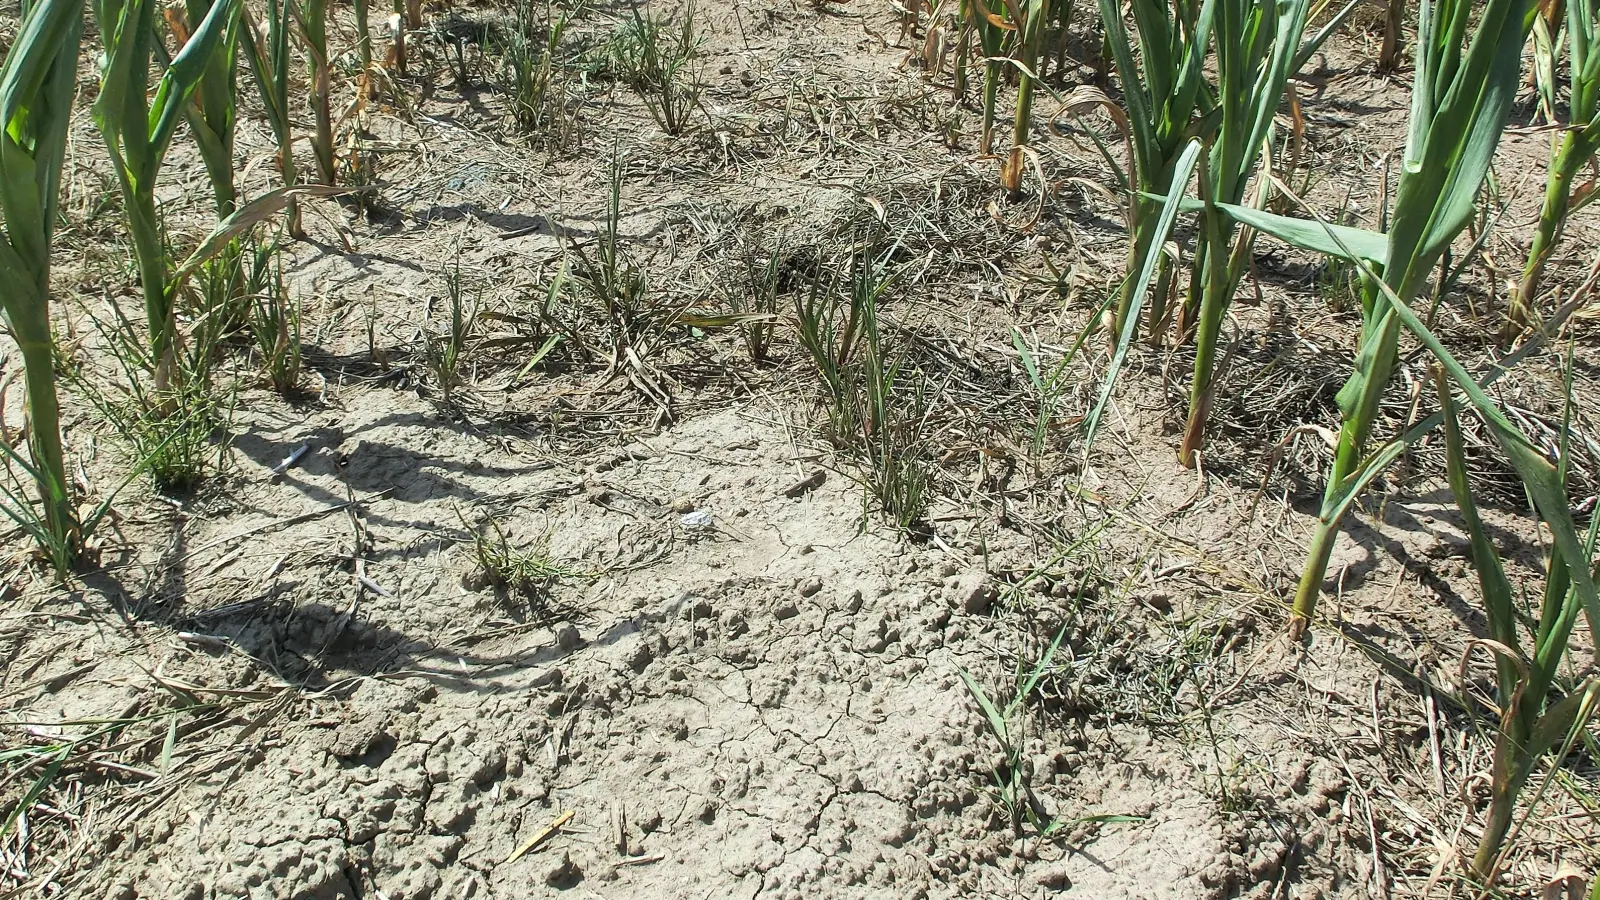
36, 93
991, 30
312, 17
211, 116
1461, 93
1166, 215
1465, 126
1031, 18
138, 126
268, 54
1577, 144
1258, 47
363, 35
1529, 727
1163, 93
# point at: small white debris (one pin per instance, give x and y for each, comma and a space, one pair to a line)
291, 459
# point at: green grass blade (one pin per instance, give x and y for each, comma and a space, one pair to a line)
997, 722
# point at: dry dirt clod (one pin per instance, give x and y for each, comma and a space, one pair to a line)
974, 594
683, 505
562, 872
1054, 879
811, 586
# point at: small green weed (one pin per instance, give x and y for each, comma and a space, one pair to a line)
274, 321
444, 353
659, 61
867, 406
528, 571
1009, 725
542, 103
753, 299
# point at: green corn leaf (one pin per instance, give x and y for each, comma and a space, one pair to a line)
50, 24
1564, 720
1373, 347
1455, 128
188, 67
1346, 242
36, 90
249, 216
22, 290
1140, 117
1315, 42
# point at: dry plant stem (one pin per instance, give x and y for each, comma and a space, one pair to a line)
397, 26
1393, 35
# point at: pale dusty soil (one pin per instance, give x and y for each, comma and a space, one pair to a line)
321, 698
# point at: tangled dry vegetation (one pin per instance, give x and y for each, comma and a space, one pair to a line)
555, 447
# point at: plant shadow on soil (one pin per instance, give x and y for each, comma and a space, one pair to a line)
315, 645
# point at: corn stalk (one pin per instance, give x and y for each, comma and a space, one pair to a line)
1461, 93
268, 54
36, 93
1394, 17
363, 34
1577, 144
312, 18
991, 30
138, 127
1258, 48
397, 28
1030, 16
1163, 91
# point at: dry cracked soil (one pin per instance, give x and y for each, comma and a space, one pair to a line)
719, 672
